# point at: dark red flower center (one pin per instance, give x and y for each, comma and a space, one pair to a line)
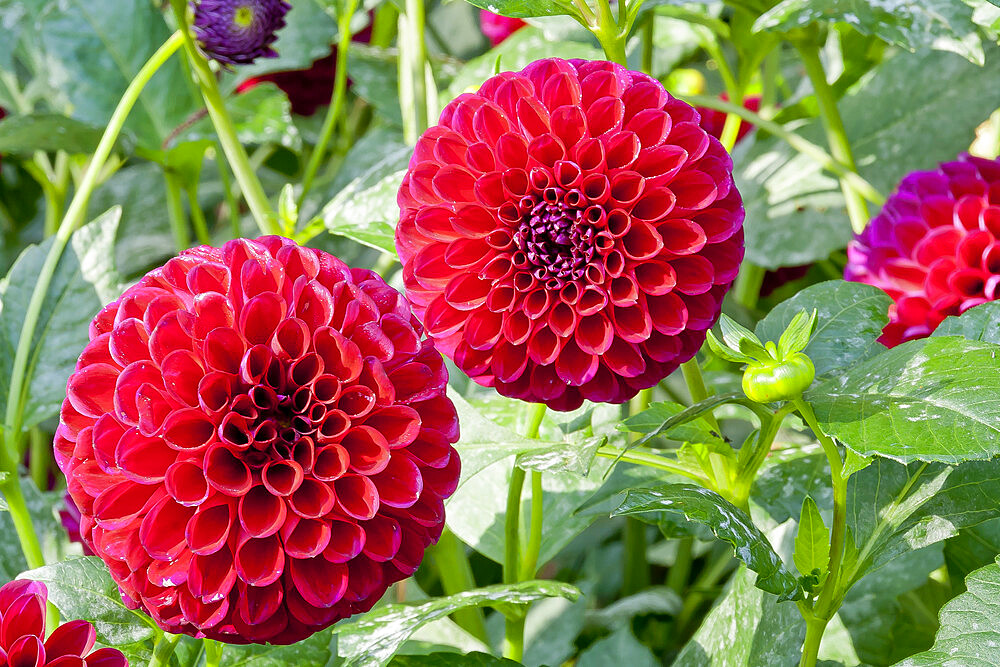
554, 240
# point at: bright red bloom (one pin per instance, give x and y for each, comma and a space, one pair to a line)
258, 441
568, 232
22, 633
498, 28
935, 246
714, 121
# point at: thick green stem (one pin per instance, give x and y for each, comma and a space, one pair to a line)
648, 39
836, 134
74, 215
828, 599
456, 576
413, 71
336, 109
804, 146
176, 214
253, 191
513, 647
746, 291
213, 653
677, 577
164, 649
610, 34
635, 575
762, 447
529, 564
41, 457
198, 217
697, 591
696, 386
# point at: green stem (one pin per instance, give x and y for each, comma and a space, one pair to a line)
164, 649
804, 146
648, 36
232, 205
650, 461
836, 134
698, 590
413, 70
456, 577
176, 214
635, 575
696, 386
74, 215
41, 458
828, 599
253, 191
677, 577
198, 217
611, 36
529, 564
213, 653
337, 101
762, 447
514, 634
748, 284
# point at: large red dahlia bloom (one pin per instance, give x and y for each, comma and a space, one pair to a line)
568, 232
22, 633
258, 441
935, 246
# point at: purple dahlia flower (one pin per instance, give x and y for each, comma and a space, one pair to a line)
239, 31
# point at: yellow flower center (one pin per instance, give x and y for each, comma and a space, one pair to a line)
243, 18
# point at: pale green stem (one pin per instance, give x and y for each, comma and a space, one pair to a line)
611, 36
198, 217
337, 101
413, 71
175, 213
456, 577
213, 653
696, 386
650, 461
253, 191
164, 649
72, 219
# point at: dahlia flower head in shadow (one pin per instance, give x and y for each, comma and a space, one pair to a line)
497, 28
934, 248
22, 633
258, 441
237, 32
568, 232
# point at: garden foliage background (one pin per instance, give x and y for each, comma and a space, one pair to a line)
915, 83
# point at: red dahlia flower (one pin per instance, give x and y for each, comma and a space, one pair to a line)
568, 232
258, 441
498, 28
22, 633
935, 246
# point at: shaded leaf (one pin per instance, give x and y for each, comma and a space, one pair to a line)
812, 540
656, 415
521, 8
457, 659
621, 647
374, 637
728, 522
979, 323
319, 649
23, 135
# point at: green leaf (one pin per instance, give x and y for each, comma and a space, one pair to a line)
979, 323
911, 24
747, 628
688, 415
83, 588
894, 126
969, 634
796, 337
522, 8
734, 333
575, 455
92, 49
52, 536
812, 540
308, 35
652, 600
319, 649
936, 399
849, 317
23, 135
366, 210
261, 116
373, 638
723, 352
85, 279
622, 648
657, 414
727, 521
452, 659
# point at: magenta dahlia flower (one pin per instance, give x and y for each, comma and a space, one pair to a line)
237, 32
935, 246
22, 633
568, 232
259, 441
497, 28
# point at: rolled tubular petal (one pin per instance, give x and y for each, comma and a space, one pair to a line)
934, 248
258, 442
568, 232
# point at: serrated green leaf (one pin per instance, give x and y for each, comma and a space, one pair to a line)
727, 521
936, 399
911, 24
812, 540
83, 588
849, 319
85, 279
373, 638
795, 338
733, 333
969, 634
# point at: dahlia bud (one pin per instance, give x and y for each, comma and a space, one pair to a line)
22, 639
934, 247
258, 441
568, 232
237, 32
497, 28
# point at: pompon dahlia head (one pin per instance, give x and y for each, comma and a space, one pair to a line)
934, 248
568, 232
497, 28
237, 32
22, 633
258, 441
